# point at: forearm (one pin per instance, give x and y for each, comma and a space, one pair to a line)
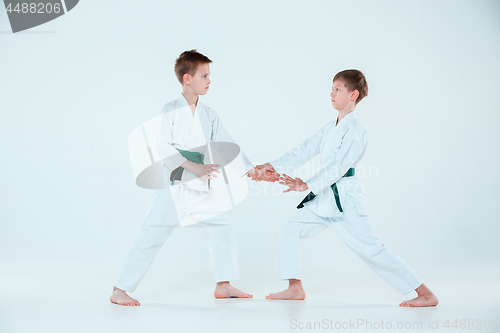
188, 165
298, 156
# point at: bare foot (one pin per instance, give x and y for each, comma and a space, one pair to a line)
425, 298
225, 290
293, 292
120, 297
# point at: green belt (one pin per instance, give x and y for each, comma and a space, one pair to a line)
311, 195
191, 156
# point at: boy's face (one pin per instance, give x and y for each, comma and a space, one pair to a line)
341, 97
199, 82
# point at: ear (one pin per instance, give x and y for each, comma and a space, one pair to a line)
354, 95
186, 78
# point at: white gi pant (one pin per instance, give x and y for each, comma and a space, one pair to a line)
357, 232
160, 221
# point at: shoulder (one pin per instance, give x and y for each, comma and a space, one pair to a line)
358, 126
209, 110
357, 131
170, 106
212, 115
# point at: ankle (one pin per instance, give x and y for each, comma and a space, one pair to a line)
423, 290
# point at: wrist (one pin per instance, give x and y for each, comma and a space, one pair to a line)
268, 166
187, 165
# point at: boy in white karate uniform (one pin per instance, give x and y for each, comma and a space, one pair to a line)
336, 198
192, 198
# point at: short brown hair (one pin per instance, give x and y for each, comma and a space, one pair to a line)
353, 80
188, 62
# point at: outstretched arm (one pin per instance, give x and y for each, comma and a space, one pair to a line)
299, 155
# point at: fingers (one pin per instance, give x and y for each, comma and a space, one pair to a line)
286, 181
251, 172
271, 177
286, 177
264, 173
212, 168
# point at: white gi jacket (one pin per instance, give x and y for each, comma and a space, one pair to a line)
179, 128
340, 147
194, 201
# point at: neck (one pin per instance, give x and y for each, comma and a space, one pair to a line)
343, 113
190, 97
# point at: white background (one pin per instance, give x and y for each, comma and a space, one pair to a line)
74, 88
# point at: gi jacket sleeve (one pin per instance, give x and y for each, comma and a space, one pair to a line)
164, 142
219, 134
351, 150
299, 155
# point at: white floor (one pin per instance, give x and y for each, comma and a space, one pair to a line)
62, 297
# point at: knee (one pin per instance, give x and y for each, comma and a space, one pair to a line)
373, 251
289, 233
155, 233
221, 235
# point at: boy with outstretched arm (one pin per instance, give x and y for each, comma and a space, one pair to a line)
335, 199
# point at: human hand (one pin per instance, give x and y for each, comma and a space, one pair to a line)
294, 184
264, 172
201, 170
